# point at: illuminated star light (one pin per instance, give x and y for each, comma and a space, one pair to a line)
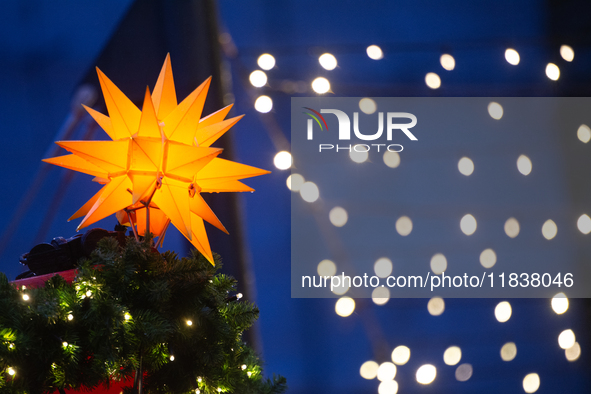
160, 158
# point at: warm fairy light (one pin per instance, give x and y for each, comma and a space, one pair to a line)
70, 317
358, 154
88, 293
338, 216
391, 159
127, 316
388, 387
26, 297
243, 367
171, 358
573, 353
560, 303
464, 372
383, 267
503, 311
432, 80
283, 160
309, 191
468, 224
447, 62
401, 355
263, 104
249, 374
466, 166
426, 374
321, 85
436, 306
380, 295
258, 78
531, 383
584, 133
512, 56
552, 71
524, 165
369, 370
508, 351
345, 306
567, 53
549, 229
438, 263
295, 182
367, 106
327, 61
266, 61
566, 339
11, 371
404, 225
65, 344
584, 224
326, 268
488, 258
189, 323
386, 371
512, 228
495, 110
374, 52
452, 355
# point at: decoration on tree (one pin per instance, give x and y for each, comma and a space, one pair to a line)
158, 163
158, 323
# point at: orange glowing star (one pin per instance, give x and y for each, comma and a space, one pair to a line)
158, 163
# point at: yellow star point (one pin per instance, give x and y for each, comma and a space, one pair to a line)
158, 163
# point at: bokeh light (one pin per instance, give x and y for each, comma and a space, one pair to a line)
283, 160
358, 154
345, 306
320, 85
432, 80
512, 227
369, 370
559, 303
367, 106
374, 52
404, 226
436, 306
338, 216
466, 166
468, 224
495, 110
386, 371
573, 353
488, 258
512, 56
438, 263
464, 372
567, 53
508, 351
401, 355
383, 267
328, 61
584, 224
452, 355
552, 71
263, 104
426, 374
380, 295
447, 62
391, 159
295, 182
524, 165
326, 268
266, 61
566, 339
503, 311
342, 288
531, 383
388, 387
309, 191
584, 133
549, 229
258, 78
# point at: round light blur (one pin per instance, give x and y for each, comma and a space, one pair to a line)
436, 306
452, 355
466, 166
404, 225
383, 267
263, 104
283, 160
524, 165
584, 133
266, 61
380, 295
503, 311
512, 56
345, 306
342, 288
488, 258
549, 229
567, 53
374, 52
295, 182
584, 224
401, 355
309, 191
531, 383
369, 370
388, 387
432, 80
438, 263
391, 159
560, 303
386, 371
573, 353
328, 61
367, 106
258, 78
426, 374
464, 372
358, 154
552, 71
495, 110
338, 216
320, 85
468, 224
447, 62
512, 227
508, 351
566, 339
326, 268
